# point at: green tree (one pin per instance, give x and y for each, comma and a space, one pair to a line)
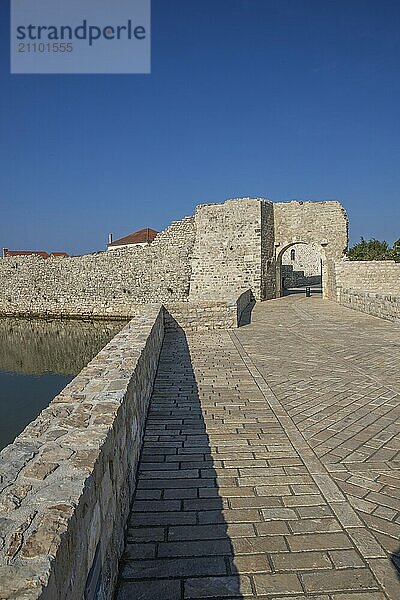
395, 251
371, 250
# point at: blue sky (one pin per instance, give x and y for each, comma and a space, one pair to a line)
284, 99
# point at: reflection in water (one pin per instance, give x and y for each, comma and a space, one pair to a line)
36, 347
37, 359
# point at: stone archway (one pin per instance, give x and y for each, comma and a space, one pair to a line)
304, 277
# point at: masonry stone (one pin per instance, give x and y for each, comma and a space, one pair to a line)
227, 249
224, 250
66, 483
198, 265
275, 463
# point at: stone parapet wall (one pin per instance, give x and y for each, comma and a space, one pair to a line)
67, 481
378, 305
374, 276
206, 316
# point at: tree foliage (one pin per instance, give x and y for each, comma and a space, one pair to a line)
375, 250
396, 251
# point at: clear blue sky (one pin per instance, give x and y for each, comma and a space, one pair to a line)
285, 99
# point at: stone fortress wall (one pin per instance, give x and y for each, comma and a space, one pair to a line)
223, 250
196, 266
102, 284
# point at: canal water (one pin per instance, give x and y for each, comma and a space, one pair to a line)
37, 360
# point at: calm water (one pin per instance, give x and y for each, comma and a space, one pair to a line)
37, 359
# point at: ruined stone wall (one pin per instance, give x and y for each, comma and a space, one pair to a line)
102, 284
67, 481
227, 250
323, 225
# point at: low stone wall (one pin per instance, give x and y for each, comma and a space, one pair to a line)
205, 316
200, 316
374, 276
384, 306
67, 481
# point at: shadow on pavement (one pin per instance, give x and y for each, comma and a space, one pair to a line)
177, 543
315, 291
245, 317
395, 560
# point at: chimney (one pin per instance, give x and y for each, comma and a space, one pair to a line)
110, 238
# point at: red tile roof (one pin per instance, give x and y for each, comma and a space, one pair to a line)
142, 236
7, 253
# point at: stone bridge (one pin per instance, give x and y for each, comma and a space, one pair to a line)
270, 465
267, 466
194, 459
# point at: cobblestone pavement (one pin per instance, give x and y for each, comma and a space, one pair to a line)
270, 466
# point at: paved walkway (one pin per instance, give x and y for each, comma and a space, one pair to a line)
270, 466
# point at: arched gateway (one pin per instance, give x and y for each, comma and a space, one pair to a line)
239, 245
320, 226
298, 264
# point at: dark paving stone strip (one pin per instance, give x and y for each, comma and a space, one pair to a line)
177, 543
